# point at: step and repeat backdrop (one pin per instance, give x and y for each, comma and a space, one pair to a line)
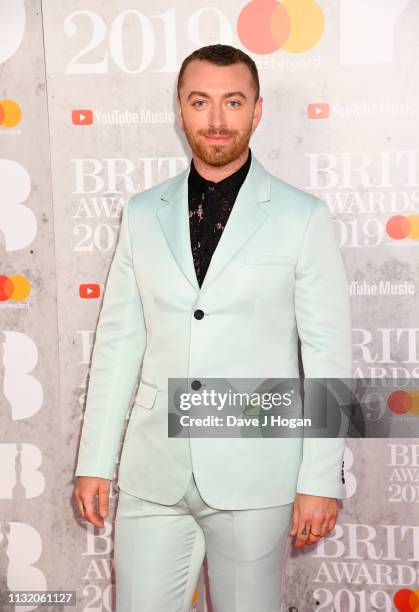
87, 118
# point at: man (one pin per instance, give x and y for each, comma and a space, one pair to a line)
216, 273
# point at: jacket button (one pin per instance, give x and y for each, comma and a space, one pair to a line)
199, 314
196, 384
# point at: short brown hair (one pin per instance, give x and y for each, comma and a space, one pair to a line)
221, 55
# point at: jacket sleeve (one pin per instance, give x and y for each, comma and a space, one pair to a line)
117, 356
322, 308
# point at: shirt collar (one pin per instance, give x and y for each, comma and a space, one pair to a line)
235, 180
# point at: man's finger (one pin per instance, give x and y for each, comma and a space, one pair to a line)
302, 532
80, 506
79, 503
324, 528
316, 529
294, 522
103, 501
317, 525
90, 513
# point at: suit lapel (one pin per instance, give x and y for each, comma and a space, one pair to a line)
246, 217
174, 220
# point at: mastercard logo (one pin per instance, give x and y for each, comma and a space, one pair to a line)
264, 26
10, 113
401, 226
14, 287
401, 402
406, 600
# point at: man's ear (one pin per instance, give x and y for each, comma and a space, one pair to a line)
257, 114
179, 113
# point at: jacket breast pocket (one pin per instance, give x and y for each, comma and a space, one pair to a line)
267, 258
146, 395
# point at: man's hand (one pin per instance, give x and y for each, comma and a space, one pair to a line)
312, 514
85, 491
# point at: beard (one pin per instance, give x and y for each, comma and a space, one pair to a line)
215, 154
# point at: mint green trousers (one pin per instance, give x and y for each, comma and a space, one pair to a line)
159, 551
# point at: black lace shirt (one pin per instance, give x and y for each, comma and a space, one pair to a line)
210, 205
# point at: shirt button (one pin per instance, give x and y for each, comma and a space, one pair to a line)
199, 314
211, 187
196, 384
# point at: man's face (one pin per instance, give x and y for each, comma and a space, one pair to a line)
218, 126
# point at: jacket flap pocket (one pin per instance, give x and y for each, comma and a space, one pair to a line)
146, 395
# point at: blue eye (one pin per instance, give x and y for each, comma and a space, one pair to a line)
203, 102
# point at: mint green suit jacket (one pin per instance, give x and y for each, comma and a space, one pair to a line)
276, 274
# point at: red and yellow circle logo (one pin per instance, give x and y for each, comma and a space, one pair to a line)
10, 113
401, 402
406, 600
401, 226
14, 287
264, 26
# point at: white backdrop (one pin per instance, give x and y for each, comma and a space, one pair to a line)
87, 117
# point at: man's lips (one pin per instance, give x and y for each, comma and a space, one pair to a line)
217, 138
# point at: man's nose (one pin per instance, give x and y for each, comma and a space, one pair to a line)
217, 117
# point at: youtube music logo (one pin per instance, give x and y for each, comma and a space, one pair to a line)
82, 116
89, 290
318, 110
